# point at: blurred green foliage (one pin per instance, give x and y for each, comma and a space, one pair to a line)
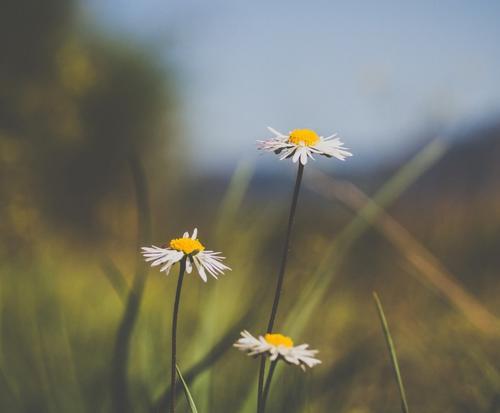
73, 108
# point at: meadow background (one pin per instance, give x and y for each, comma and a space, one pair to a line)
126, 124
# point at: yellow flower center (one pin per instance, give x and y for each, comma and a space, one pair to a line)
186, 245
307, 136
279, 340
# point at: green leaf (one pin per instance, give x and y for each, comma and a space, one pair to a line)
189, 398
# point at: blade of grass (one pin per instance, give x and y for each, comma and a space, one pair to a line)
227, 220
189, 398
233, 198
5, 380
119, 363
392, 352
115, 278
213, 355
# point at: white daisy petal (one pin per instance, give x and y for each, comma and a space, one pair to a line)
287, 153
296, 155
291, 358
211, 262
274, 354
300, 144
189, 266
158, 256
277, 346
333, 148
190, 249
277, 133
166, 268
250, 344
200, 269
303, 156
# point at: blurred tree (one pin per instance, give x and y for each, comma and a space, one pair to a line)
73, 108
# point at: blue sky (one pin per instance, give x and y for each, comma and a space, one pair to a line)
376, 72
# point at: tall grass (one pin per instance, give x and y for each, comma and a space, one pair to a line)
392, 352
60, 313
119, 363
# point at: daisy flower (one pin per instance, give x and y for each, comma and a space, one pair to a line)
188, 247
277, 346
300, 144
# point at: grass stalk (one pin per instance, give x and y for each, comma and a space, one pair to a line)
115, 278
210, 358
189, 397
392, 352
119, 364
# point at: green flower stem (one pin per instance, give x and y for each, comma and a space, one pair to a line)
173, 376
279, 283
286, 249
268, 383
262, 372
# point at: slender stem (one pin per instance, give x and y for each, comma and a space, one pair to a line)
281, 276
213, 355
286, 248
268, 383
262, 372
392, 352
173, 376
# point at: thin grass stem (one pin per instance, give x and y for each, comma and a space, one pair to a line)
215, 353
115, 278
119, 388
189, 397
392, 352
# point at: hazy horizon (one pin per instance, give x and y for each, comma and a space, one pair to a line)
378, 74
